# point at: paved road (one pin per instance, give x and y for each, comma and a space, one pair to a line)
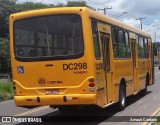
136, 106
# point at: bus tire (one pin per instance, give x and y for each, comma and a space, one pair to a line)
122, 98
144, 91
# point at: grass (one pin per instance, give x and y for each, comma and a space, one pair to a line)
6, 90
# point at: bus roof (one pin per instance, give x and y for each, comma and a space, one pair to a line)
116, 22
91, 13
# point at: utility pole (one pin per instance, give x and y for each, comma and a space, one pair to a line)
105, 9
140, 19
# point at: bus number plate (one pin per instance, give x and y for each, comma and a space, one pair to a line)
75, 66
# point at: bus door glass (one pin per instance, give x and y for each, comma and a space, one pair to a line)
134, 60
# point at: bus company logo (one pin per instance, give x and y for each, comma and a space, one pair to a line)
41, 81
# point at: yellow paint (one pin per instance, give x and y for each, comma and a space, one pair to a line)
77, 85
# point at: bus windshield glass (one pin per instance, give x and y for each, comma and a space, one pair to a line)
45, 37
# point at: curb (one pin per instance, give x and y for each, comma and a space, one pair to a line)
1, 100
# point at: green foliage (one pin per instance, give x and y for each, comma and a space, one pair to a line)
5, 56
6, 90
59, 5
31, 6
6, 86
7, 7
76, 4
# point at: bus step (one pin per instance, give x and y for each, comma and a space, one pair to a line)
135, 92
108, 104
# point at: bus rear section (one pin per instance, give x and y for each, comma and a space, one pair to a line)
50, 60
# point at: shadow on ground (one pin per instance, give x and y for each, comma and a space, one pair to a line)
88, 115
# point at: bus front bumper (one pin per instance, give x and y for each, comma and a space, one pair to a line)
73, 99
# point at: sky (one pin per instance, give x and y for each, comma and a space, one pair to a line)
127, 11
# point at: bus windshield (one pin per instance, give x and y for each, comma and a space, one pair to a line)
45, 37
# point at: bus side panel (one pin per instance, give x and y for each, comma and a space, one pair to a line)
126, 72
143, 70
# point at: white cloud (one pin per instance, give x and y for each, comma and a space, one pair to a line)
132, 22
154, 30
45, 1
134, 8
142, 7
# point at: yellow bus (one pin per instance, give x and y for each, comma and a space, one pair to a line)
66, 57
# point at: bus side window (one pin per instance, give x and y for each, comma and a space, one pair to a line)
95, 39
141, 47
121, 44
127, 45
146, 47
114, 41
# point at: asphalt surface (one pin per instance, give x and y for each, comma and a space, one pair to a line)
136, 106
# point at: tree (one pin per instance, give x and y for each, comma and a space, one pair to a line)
5, 66
31, 6
7, 7
76, 4
60, 5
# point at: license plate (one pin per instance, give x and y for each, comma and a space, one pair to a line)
52, 91
55, 91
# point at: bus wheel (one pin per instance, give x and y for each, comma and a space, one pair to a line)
144, 91
122, 98
67, 109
